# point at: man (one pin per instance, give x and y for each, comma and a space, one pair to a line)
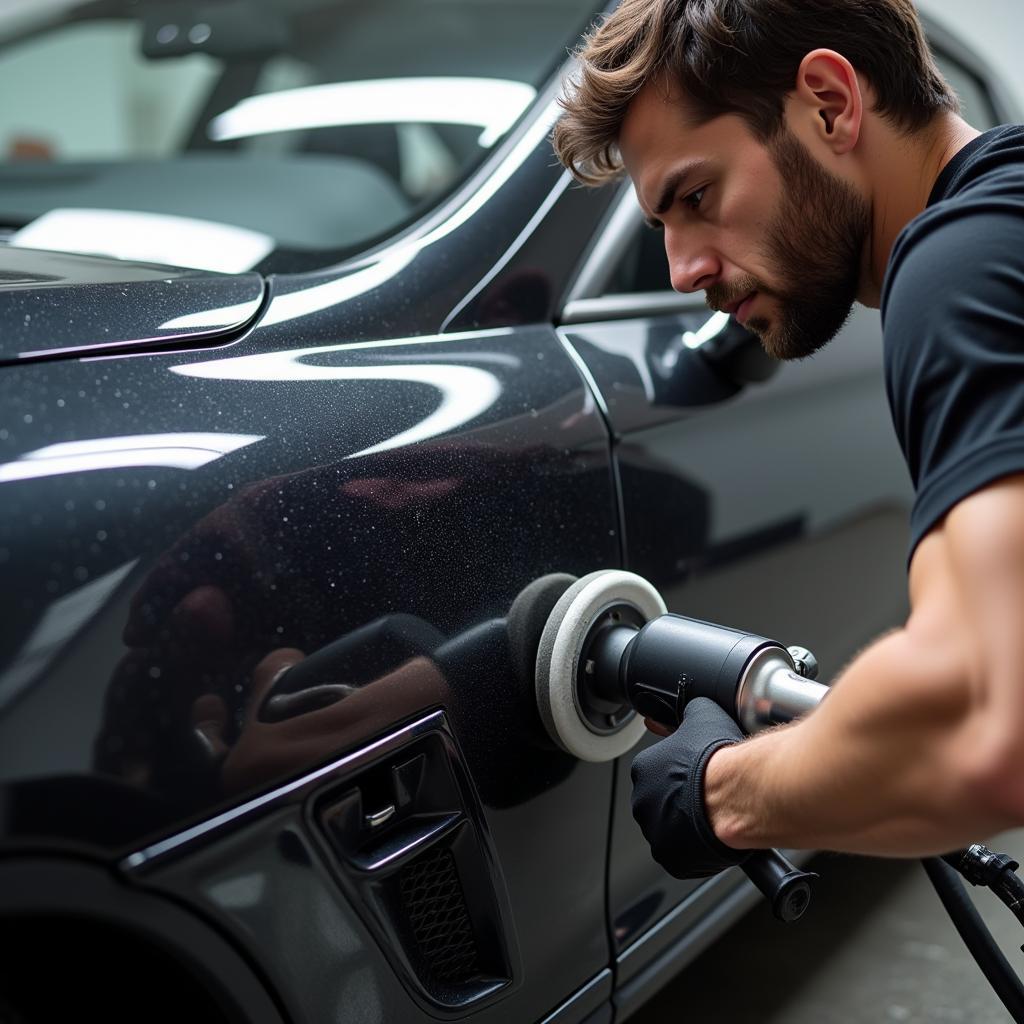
801, 155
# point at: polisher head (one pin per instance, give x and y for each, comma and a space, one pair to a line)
559, 661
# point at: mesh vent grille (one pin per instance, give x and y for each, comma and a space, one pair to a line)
436, 907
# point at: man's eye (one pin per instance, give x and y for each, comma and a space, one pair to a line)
693, 200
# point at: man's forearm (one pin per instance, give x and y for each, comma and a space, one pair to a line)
880, 767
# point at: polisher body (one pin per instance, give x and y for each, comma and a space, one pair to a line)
674, 659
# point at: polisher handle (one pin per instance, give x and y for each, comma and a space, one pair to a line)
786, 887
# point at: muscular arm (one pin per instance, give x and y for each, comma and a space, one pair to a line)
919, 749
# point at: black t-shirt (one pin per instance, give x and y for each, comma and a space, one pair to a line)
953, 320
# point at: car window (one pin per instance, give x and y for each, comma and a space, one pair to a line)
316, 127
643, 268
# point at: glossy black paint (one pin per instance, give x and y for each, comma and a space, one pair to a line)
60, 304
218, 569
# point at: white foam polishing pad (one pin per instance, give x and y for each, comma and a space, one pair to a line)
558, 660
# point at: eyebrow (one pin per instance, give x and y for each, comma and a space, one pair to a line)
671, 187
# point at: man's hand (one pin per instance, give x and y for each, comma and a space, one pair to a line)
668, 794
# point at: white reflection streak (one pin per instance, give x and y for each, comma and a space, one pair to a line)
711, 329
307, 300
493, 104
58, 626
175, 451
224, 316
519, 155
156, 237
322, 296
466, 391
240, 893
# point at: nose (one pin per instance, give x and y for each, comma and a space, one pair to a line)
693, 266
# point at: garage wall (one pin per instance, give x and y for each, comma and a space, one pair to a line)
992, 28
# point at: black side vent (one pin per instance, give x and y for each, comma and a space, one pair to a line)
436, 905
411, 850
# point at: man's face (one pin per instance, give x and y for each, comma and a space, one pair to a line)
765, 231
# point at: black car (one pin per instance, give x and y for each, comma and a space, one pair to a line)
308, 344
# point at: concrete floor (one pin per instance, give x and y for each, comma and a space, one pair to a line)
875, 947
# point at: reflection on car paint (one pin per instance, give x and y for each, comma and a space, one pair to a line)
524, 296
208, 638
57, 303
312, 299
312, 728
240, 893
151, 237
466, 391
175, 451
712, 329
520, 153
59, 625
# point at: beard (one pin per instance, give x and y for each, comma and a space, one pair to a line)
815, 244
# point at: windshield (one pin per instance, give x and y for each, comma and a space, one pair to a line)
275, 134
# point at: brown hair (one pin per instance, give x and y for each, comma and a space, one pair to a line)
740, 56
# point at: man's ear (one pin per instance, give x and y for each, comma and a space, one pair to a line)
829, 91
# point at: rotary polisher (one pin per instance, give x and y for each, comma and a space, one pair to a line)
609, 650
594, 651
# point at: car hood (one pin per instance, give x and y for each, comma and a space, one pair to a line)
60, 304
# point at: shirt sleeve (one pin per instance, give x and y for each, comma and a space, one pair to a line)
953, 313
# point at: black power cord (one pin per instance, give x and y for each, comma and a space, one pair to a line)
996, 871
978, 939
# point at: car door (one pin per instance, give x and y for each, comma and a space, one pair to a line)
770, 497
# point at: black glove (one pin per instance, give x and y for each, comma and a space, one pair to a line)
668, 794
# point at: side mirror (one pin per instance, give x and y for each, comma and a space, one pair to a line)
738, 356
